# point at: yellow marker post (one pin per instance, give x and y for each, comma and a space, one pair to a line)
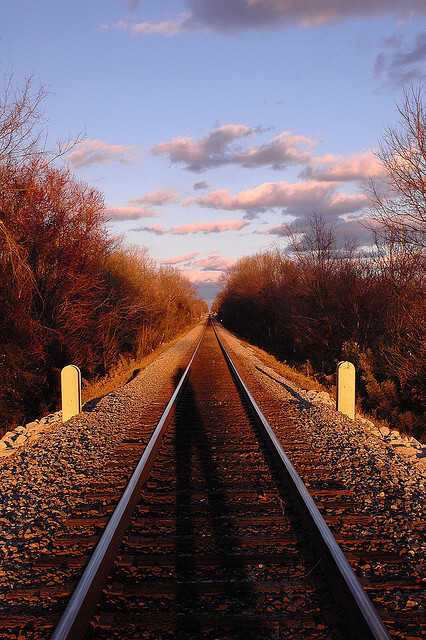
71, 391
346, 389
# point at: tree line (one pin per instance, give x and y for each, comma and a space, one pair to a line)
320, 300
69, 291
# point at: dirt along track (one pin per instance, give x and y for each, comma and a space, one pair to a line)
212, 551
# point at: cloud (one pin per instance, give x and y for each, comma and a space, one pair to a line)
180, 259
361, 166
201, 185
221, 147
169, 27
98, 152
230, 16
213, 263
355, 227
154, 199
203, 227
209, 227
205, 277
158, 198
268, 194
278, 230
402, 61
128, 213
206, 152
157, 229
343, 203
297, 200
281, 152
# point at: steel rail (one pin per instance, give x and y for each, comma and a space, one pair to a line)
76, 617
349, 591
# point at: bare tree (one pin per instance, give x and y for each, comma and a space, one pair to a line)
22, 131
23, 127
399, 198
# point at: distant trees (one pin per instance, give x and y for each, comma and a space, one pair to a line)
257, 300
68, 291
323, 305
309, 303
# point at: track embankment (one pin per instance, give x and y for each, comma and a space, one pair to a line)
59, 492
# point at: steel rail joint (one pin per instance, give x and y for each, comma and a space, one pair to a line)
370, 626
76, 618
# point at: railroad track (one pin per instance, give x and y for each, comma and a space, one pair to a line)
215, 535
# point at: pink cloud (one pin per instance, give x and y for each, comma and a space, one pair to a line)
158, 198
128, 213
205, 277
209, 227
206, 152
342, 203
268, 194
170, 27
180, 259
203, 227
221, 147
274, 231
98, 152
298, 200
361, 166
214, 263
282, 151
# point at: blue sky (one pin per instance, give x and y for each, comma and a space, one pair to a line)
209, 123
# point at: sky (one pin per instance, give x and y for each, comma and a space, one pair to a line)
208, 124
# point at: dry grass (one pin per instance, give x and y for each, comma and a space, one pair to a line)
125, 370
302, 380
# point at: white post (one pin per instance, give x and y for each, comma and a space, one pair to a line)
346, 389
71, 391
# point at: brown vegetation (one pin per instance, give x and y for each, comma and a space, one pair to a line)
313, 319
68, 291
